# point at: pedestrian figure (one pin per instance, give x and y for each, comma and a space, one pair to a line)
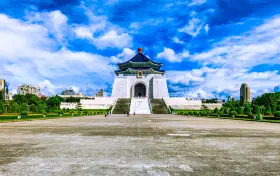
134, 113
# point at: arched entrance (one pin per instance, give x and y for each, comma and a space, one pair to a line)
140, 90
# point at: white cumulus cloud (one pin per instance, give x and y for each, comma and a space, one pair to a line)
193, 28
177, 40
170, 55
126, 54
29, 56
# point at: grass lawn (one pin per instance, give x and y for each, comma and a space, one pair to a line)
39, 118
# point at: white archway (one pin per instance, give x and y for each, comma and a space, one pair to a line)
139, 89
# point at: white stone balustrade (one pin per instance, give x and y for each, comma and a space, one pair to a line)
183, 103
96, 103
140, 106
212, 106
68, 105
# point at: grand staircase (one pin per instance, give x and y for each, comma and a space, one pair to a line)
140, 106
122, 105
158, 106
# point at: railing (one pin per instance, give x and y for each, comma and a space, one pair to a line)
212, 103
169, 110
139, 97
150, 105
140, 105
114, 106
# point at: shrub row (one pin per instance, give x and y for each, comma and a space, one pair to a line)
7, 117
24, 116
249, 116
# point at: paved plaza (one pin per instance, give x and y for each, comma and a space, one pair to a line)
139, 145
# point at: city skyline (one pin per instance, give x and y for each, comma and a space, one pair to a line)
208, 48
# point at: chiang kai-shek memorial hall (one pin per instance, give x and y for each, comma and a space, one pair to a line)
140, 77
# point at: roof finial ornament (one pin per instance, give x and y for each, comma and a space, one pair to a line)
140, 50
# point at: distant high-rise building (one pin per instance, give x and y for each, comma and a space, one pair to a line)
2, 87
100, 94
2, 84
244, 93
28, 89
68, 92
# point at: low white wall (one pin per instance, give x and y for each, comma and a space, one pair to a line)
212, 106
183, 103
97, 103
68, 105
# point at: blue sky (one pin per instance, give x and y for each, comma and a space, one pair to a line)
208, 47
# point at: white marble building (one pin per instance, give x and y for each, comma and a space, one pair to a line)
140, 77
152, 86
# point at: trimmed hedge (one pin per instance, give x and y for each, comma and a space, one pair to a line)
8, 117
249, 116
23, 113
270, 118
33, 116
30, 116
259, 117
277, 114
233, 113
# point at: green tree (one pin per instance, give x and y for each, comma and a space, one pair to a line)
19, 99
278, 108
267, 99
9, 106
204, 107
240, 110
254, 111
232, 108
2, 93
216, 110
258, 111
33, 108
73, 100
226, 111
247, 109
42, 107
222, 110
54, 102
233, 113
212, 100
273, 108
267, 110
2, 107
277, 114
24, 107
15, 108
33, 99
